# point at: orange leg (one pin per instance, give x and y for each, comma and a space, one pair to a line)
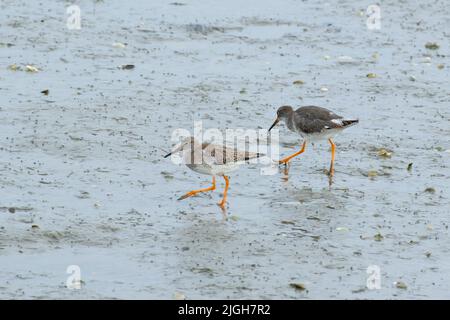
224, 200
286, 160
194, 192
333, 151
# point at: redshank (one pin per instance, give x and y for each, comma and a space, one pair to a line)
313, 124
211, 159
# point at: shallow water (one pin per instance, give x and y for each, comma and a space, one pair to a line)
83, 166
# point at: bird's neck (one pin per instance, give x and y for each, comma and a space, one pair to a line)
290, 121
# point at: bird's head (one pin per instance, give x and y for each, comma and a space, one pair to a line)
184, 144
283, 114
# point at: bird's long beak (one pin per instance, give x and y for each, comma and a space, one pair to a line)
274, 123
176, 149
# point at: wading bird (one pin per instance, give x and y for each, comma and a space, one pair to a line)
313, 124
211, 159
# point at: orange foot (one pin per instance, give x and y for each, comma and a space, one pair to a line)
222, 204
194, 192
224, 199
287, 159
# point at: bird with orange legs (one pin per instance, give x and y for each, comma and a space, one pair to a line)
313, 124
211, 159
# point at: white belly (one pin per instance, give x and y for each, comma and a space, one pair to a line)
214, 170
325, 135
221, 170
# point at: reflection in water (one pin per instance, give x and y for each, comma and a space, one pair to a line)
310, 196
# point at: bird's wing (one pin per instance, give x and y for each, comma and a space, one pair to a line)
312, 119
219, 155
316, 126
316, 113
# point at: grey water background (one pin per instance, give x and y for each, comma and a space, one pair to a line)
83, 181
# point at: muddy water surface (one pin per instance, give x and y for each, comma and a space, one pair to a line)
83, 181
